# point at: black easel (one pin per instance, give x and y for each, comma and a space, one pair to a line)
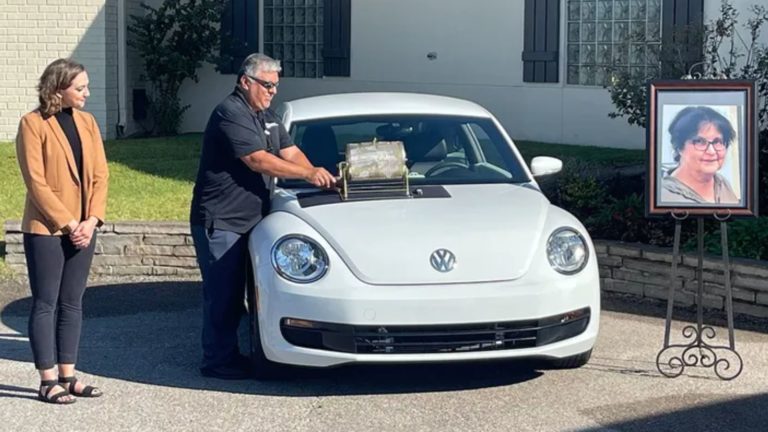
672, 359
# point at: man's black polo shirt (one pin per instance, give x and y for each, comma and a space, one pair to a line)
228, 195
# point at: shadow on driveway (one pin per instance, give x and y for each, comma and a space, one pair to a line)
685, 413
150, 333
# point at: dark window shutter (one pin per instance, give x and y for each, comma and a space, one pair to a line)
239, 33
682, 27
541, 56
336, 37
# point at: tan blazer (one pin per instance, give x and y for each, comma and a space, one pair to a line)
54, 187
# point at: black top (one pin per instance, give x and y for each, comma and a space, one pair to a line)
67, 123
64, 117
228, 195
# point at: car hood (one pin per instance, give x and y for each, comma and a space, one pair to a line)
492, 231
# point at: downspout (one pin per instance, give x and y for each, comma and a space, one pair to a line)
122, 67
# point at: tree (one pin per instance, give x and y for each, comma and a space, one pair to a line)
174, 40
727, 54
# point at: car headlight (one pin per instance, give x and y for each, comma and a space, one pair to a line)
299, 259
567, 251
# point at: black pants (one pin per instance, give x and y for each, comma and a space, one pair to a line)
223, 258
58, 273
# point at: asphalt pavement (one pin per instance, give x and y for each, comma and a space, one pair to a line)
140, 344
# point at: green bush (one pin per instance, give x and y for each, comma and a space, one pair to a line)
174, 39
582, 196
577, 188
747, 238
623, 219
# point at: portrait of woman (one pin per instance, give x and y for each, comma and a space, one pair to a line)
62, 161
700, 138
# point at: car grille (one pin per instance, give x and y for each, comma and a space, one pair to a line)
427, 339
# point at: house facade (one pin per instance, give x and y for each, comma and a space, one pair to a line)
35, 32
538, 65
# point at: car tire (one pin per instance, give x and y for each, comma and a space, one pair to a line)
261, 367
571, 362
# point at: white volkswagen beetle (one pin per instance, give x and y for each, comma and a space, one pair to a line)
461, 259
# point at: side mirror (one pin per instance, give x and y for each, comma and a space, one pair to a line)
545, 165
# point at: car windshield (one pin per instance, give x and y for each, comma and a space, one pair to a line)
439, 149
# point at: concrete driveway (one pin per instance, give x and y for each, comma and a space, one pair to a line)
140, 344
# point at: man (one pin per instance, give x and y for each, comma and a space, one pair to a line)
243, 147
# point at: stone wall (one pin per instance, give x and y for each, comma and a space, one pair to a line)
163, 250
158, 250
645, 271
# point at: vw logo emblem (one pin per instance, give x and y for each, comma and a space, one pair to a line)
442, 260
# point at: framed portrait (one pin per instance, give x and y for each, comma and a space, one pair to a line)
702, 148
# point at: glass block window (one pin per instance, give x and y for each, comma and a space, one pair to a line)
293, 34
612, 36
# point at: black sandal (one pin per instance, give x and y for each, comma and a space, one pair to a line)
88, 391
54, 399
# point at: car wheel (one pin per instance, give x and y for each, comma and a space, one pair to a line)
262, 367
571, 362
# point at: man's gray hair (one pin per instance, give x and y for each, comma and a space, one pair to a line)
258, 62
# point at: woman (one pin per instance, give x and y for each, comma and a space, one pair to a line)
701, 137
62, 160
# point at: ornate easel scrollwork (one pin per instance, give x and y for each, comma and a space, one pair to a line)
673, 359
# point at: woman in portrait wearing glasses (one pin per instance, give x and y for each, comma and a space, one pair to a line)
700, 139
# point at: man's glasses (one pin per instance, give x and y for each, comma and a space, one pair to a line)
702, 144
268, 85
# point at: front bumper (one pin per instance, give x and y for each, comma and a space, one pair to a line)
433, 339
391, 324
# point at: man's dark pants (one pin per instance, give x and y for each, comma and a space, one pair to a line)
223, 258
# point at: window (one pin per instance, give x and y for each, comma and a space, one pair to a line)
293, 33
626, 36
489, 150
310, 37
439, 149
607, 36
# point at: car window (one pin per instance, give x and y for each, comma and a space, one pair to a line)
439, 149
485, 142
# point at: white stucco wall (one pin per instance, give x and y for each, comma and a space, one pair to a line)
478, 46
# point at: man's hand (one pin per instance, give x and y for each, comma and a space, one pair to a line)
82, 235
320, 177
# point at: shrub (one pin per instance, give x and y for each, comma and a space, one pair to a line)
623, 219
747, 238
174, 40
577, 188
744, 58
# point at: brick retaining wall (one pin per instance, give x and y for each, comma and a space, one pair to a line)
164, 250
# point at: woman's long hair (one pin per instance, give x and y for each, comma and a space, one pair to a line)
57, 76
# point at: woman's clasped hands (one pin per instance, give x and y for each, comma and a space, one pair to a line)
81, 233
